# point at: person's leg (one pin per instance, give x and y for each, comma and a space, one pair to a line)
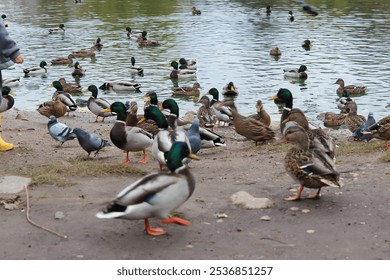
4, 146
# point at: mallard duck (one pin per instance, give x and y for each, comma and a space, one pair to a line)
209, 138
135, 69
53, 107
59, 131
311, 168
120, 86
205, 113
333, 120
275, 52
63, 60
318, 138
195, 11
342, 101
167, 135
133, 34
297, 73
180, 74
151, 99
230, 90
34, 70
90, 142
98, 44
12, 82
157, 194
187, 91
145, 42
189, 64
284, 96
223, 113
291, 16
133, 119
57, 30
65, 97
250, 128
70, 87
352, 90
353, 120
306, 44
130, 139
261, 114
5, 22
78, 71
7, 101
96, 105
381, 130
85, 53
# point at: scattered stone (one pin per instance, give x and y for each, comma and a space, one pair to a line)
246, 200
294, 208
221, 215
265, 218
310, 231
59, 215
189, 246
13, 184
305, 211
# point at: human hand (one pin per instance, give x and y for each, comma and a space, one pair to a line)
19, 59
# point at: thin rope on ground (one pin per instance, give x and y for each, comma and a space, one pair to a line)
35, 224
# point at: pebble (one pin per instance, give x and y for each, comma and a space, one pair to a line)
310, 231
246, 200
59, 215
265, 218
305, 211
294, 208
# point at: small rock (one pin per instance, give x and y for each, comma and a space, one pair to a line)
305, 211
246, 200
265, 218
221, 215
310, 231
59, 215
294, 208
11, 206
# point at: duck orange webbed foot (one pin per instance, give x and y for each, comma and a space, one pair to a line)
153, 231
176, 220
295, 197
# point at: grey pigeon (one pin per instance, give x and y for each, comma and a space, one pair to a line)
59, 131
359, 133
90, 142
194, 138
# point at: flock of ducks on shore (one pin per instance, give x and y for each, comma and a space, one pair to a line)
174, 142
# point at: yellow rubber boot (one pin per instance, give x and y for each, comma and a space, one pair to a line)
5, 146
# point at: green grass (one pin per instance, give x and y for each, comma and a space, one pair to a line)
61, 173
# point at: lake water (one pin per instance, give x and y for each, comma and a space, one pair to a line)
230, 40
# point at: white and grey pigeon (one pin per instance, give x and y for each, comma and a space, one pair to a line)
59, 131
359, 133
194, 138
90, 142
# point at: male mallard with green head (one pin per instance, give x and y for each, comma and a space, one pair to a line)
128, 139
34, 70
296, 73
7, 101
156, 195
57, 30
96, 105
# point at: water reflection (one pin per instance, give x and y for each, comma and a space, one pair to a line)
231, 41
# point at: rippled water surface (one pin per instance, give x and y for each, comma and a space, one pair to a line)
230, 40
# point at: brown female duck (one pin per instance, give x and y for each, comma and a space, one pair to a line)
352, 90
381, 130
187, 91
353, 120
317, 137
206, 114
249, 127
63, 60
85, 52
311, 168
261, 114
53, 107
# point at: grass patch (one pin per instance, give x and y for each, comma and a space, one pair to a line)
346, 148
61, 173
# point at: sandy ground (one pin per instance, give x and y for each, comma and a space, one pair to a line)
346, 223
